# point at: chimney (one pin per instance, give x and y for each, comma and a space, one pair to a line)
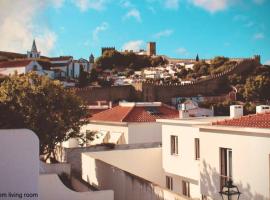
236, 111
183, 114
110, 104
262, 109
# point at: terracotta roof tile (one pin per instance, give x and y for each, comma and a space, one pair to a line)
116, 114
14, 63
61, 58
135, 114
254, 121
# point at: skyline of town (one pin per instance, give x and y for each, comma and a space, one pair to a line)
181, 28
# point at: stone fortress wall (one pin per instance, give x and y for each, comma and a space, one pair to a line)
150, 91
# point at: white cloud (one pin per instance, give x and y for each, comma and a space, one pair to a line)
18, 27
133, 13
212, 5
259, 2
164, 33
84, 5
182, 51
135, 45
172, 4
258, 36
102, 27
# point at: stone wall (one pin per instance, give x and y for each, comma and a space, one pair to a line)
113, 93
150, 91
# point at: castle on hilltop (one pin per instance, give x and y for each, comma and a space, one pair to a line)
150, 51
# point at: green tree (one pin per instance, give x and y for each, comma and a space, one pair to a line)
83, 78
93, 75
257, 88
43, 106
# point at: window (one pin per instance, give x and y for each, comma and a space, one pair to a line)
169, 182
174, 145
197, 149
186, 188
225, 165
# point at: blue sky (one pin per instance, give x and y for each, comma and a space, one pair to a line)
181, 28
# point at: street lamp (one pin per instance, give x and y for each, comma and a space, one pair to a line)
230, 191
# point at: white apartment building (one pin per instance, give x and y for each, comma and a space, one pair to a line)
199, 157
181, 154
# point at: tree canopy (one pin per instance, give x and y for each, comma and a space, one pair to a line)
43, 106
113, 59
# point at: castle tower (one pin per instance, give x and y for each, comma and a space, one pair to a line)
104, 49
34, 53
151, 48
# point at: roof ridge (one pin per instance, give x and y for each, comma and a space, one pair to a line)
132, 107
104, 111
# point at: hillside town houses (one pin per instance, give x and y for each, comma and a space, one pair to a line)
64, 68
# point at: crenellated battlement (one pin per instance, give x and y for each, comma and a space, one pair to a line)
239, 67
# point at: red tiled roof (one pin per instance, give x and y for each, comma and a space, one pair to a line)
14, 63
45, 64
134, 114
61, 58
255, 121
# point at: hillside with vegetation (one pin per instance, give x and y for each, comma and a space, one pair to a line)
252, 86
203, 69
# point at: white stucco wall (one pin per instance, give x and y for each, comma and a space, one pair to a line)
144, 132
110, 128
76, 70
182, 166
145, 163
51, 188
11, 70
250, 162
19, 166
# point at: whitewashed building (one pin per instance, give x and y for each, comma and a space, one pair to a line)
199, 156
127, 123
24, 66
